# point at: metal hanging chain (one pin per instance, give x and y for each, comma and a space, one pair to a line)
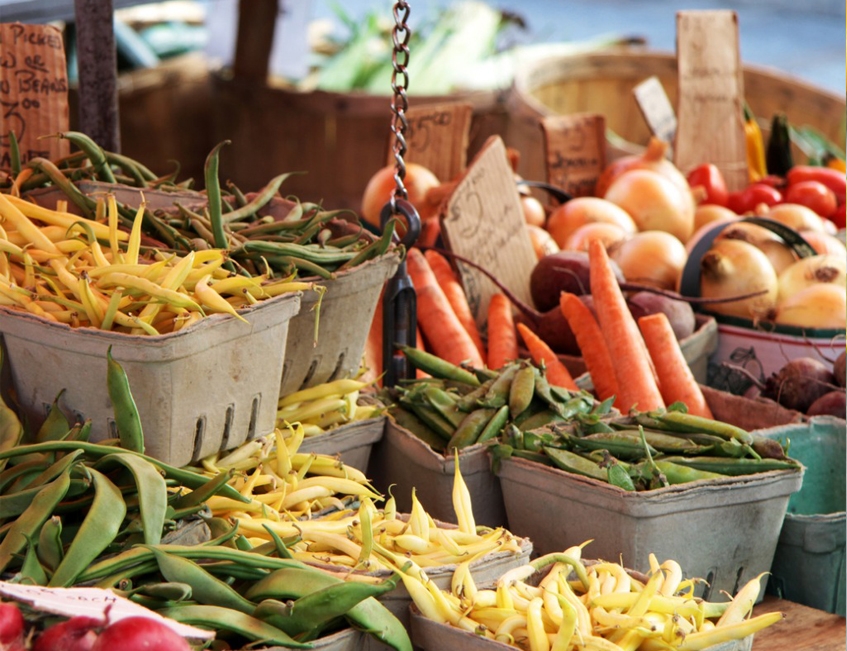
400, 34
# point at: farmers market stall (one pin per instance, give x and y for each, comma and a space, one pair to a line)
543, 368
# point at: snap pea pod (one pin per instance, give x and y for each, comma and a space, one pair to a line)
571, 462
734, 466
676, 473
32, 518
469, 430
444, 403
98, 530
498, 393
521, 391
408, 420
617, 474
439, 368
533, 419
205, 588
151, 489
495, 425
432, 419
623, 445
684, 422
94, 450
216, 618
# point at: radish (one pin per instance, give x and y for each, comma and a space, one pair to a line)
11, 628
140, 633
74, 634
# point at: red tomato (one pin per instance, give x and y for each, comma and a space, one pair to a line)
839, 217
833, 179
814, 195
709, 177
750, 197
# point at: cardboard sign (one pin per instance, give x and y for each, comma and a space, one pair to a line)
91, 602
656, 108
575, 151
437, 138
33, 91
484, 222
710, 106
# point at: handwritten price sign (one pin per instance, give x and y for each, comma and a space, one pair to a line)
33, 91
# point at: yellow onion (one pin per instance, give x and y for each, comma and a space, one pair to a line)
603, 231
813, 270
822, 305
772, 245
734, 268
653, 258
796, 216
708, 213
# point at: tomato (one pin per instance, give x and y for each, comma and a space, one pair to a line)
709, 177
833, 179
814, 195
838, 217
752, 196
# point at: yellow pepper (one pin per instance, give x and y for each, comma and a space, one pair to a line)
756, 166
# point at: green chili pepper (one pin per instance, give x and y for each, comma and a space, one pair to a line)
98, 530
151, 489
32, 518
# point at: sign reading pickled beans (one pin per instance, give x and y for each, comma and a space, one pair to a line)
33, 93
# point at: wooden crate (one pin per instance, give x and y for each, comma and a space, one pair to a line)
603, 83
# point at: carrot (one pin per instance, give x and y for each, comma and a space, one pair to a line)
430, 232
637, 387
502, 335
557, 373
676, 381
456, 295
590, 340
439, 324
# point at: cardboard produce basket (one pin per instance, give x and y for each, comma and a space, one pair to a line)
346, 312
429, 635
809, 562
347, 639
353, 442
602, 82
724, 531
206, 388
402, 461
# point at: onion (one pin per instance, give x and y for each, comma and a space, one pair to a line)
569, 216
772, 245
542, 243
533, 211
812, 270
825, 243
606, 233
822, 305
707, 213
653, 258
653, 158
794, 215
733, 268
418, 181
654, 202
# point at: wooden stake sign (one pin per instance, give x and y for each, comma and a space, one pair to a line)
437, 138
575, 151
33, 91
710, 106
484, 222
656, 108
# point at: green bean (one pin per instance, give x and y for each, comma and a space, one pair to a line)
437, 367
14, 504
50, 549
200, 495
80, 200
307, 616
39, 509
279, 544
80, 431
93, 152
374, 249
14, 153
205, 588
97, 531
369, 614
302, 264
56, 425
127, 418
310, 252
259, 201
237, 194
31, 571
11, 429
25, 470
170, 591
213, 195
235, 571
152, 492
138, 172
185, 477
60, 467
223, 619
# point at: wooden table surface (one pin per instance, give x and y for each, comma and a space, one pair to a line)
803, 629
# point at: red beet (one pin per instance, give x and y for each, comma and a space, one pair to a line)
74, 634
799, 383
833, 403
11, 627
